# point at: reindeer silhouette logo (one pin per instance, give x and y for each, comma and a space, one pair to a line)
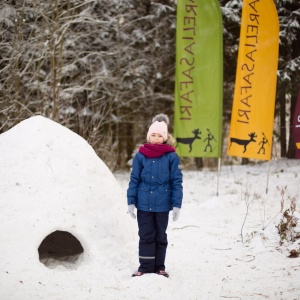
244, 142
189, 141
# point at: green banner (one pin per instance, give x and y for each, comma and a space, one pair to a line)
199, 79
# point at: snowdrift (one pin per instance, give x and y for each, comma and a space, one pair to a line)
60, 204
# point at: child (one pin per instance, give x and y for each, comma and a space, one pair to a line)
155, 188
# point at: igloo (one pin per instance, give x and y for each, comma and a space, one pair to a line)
58, 202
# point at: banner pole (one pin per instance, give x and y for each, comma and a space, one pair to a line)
219, 168
268, 171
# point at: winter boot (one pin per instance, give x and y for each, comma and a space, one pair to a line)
163, 273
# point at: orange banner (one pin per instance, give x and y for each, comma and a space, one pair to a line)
252, 119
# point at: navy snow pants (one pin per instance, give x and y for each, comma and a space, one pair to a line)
153, 240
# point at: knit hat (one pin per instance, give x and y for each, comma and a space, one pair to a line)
159, 125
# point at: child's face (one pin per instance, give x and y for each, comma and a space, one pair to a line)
156, 138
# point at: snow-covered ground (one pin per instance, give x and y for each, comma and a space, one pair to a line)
211, 255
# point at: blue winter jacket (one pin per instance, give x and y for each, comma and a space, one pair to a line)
155, 183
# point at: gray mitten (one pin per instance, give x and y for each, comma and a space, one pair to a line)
176, 212
131, 211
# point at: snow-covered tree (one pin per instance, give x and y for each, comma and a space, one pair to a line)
103, 68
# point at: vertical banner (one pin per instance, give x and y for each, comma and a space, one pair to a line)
199, 79
252, 119
296, 127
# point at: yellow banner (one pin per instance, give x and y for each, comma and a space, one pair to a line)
252, 119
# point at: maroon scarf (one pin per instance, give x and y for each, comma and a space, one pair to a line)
156, 150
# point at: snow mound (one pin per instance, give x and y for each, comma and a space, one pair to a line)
52, 182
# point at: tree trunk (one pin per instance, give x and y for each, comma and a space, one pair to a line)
245, 161
292, 147
199, 163
282, 121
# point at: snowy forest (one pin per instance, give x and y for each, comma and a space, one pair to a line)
104, 68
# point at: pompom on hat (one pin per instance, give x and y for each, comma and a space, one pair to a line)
159, 125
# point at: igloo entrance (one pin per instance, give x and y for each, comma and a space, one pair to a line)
60, 248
